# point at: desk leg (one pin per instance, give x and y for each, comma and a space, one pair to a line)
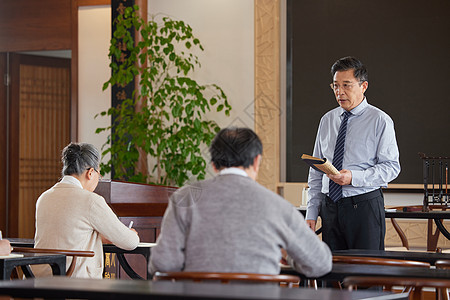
126, 266
441, 228
27, 271
432, 238
147, 259
4, 274
58, 269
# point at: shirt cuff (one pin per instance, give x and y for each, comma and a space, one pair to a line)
312, 213
358, 178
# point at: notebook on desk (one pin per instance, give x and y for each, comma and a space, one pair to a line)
147, 245
12, 255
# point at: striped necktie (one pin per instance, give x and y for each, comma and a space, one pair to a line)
335, 192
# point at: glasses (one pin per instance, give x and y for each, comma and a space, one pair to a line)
98, 172
345, 86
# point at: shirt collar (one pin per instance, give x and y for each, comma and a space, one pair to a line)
234, 171
71, 180
359, 109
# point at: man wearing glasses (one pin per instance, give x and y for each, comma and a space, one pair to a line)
359, 139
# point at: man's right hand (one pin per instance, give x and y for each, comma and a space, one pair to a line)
311, 224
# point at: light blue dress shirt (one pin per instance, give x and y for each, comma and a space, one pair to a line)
371, 153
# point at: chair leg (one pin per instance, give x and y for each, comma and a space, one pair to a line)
27, 271
15, 273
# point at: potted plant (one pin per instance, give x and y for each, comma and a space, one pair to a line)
164, 120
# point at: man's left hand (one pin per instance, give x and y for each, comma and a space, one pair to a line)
344, 178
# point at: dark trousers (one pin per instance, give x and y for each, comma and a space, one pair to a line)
354, 222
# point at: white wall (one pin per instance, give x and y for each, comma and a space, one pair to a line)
224, 27
94, 33
226, 30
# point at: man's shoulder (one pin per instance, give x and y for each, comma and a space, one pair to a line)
224, 183
332, 113
376, 112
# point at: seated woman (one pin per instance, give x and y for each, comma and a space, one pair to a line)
5, 247
71, 216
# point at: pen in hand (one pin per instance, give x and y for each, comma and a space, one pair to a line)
131, 224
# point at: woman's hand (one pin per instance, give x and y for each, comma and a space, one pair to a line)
5, 247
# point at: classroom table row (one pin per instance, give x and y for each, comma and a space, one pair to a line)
63, 287
143, 249
338, 272
59, 287
99, 289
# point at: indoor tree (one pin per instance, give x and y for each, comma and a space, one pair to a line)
164, 120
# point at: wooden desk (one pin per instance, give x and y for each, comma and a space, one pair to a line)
56, 261
16, 242
437, 216
60, 287
432, 237
142, 249
144, 204
340, 271
430, 257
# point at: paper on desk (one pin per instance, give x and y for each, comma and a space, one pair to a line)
12, 255
147, 245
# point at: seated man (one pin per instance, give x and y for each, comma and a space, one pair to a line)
5, 247
233, 224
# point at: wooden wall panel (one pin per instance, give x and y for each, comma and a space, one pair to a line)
13, 149
267, 89
27, 25
3, 150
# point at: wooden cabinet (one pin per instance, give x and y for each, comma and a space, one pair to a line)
144, 204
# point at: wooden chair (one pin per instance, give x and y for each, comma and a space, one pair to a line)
227, 277
377, 261
416, 285
362, 260
442, 294
73, 253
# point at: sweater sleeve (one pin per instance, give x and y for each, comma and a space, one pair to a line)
307, 253
168, 254
107, 224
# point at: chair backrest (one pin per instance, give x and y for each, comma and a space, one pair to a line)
442, 264
73, 253
226, 277
416, 284
362, 260
379, 261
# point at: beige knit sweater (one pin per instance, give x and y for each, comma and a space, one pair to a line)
69, 217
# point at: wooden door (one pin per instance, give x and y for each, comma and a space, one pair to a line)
39, 128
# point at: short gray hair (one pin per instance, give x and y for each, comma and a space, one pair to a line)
78, 157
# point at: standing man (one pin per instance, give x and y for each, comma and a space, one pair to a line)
359, 139
230, 223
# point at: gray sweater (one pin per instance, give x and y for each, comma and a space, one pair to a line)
233, 224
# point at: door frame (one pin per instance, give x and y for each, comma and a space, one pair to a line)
8, 208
